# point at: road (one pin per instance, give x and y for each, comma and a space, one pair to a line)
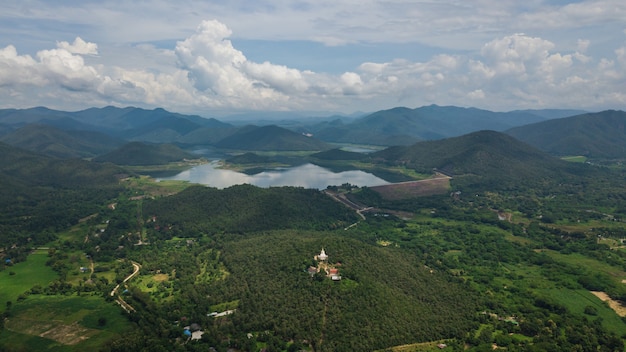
136, 266
127, 307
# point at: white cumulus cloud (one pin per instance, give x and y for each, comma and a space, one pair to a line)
79, 46
205, 71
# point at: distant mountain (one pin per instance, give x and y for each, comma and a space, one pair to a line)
397, 126
138, 153
549, 114
595, 135
58, 143
130, 123
486, 158
270, 138
404, 126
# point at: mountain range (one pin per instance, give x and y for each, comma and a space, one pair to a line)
404, 126
97, 131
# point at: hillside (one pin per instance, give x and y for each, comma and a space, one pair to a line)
599, 135
137, 153
58, 143
385, 298
248, 158
484, 158
402, 126
50, 193
248, 208
270, 138
338, 154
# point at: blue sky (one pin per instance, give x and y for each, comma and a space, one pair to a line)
217, 57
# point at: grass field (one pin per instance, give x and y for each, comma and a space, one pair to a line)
591, 264
412, 189
577, 300
61, 323
21, 277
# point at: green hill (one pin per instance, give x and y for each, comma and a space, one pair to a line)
267, 271
338, 154
58, 143
249, 158
248, 208
385, 298
486, 159
270, 138
39, 194
599, 135
137, 153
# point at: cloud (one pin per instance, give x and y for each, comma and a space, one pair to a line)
577, 14
206, 71
79, 47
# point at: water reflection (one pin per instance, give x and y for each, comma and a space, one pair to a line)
307, 176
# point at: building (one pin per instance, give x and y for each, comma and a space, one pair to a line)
322, 256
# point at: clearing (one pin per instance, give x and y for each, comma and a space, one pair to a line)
615, 305
437, 185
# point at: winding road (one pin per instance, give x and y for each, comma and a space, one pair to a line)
127, 307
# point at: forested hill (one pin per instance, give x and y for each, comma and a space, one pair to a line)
137, 153
50, 193
59, 143
595, 135
202, 210
270, 138
31, 169
487, 158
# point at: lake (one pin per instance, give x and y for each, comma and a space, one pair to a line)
307, 176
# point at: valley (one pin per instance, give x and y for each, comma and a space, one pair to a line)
477, 242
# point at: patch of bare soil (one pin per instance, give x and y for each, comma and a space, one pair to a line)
615, 305
160, 277
413, 189
53, 330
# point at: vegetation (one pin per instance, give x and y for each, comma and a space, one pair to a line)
137, 153
594, 135
270, 138
55, 142
513, 255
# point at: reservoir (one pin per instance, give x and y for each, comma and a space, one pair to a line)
307, 176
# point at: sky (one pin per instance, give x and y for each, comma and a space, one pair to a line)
214, 58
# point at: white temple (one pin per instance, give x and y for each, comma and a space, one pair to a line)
322, 256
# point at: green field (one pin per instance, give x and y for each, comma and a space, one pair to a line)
66, 324
595, 266
577, 300
21, 277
